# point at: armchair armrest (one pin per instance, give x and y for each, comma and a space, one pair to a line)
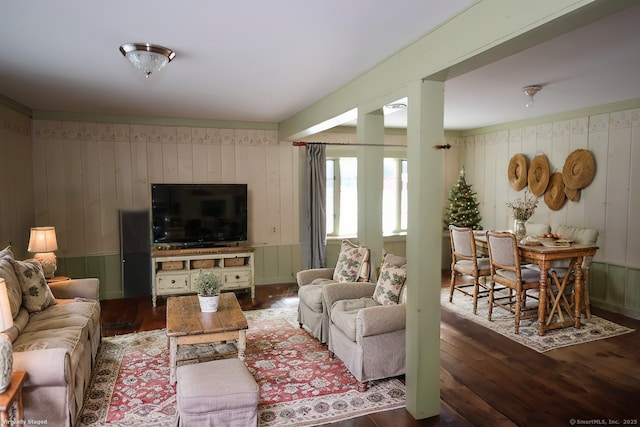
76, 288
304, 277
380, 320
46, 367
338, 291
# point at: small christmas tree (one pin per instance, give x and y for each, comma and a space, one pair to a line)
462, 209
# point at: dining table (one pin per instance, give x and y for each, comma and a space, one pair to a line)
554, 310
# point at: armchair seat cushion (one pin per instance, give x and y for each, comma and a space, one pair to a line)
311, 294
344, 313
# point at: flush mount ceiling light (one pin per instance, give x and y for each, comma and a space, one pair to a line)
400, 104
530, 91
148, 58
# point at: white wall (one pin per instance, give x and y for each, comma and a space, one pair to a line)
610, 203
86, 172
16, 191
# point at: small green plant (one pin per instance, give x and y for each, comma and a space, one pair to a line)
208, 283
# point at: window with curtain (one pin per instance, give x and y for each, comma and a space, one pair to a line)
342, 196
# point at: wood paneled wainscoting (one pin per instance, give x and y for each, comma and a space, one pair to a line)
485, 378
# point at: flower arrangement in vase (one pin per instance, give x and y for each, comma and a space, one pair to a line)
522, 210
208, 286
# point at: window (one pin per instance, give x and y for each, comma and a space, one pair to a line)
342, 196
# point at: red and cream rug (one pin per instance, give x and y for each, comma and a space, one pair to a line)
300, 384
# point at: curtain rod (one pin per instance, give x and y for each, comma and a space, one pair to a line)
304, 144
356, 144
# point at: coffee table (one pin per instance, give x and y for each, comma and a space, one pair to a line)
186, 324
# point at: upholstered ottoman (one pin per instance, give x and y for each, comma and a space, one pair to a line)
218, 393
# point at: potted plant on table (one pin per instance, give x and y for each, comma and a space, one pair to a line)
208, 286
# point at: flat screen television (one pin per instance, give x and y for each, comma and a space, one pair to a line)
199, 215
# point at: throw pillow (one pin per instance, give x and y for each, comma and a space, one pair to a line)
6, 253
350, 262
36, 295
14, 291
390, 284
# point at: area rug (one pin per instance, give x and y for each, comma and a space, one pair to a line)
300, 384
502, 322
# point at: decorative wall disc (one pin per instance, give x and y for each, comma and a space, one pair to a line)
554, 196
579, 169
518, 171
538, 175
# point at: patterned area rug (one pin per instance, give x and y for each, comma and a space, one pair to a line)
300, 385
503, 323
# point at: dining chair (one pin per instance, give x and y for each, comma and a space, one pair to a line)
465, 262
507, 271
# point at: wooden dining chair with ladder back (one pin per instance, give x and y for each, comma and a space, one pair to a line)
466, 263
507, 271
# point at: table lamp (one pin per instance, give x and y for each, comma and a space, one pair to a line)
6, 349
42, 243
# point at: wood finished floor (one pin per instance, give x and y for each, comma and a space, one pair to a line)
485, 379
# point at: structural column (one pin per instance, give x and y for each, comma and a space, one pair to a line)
370, 134
424, 236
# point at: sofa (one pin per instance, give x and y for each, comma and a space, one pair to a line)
367, 322
55, 335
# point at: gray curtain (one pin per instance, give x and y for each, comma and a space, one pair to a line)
314, 198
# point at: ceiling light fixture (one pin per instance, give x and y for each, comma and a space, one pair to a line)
148, 58
530, 91
400, 104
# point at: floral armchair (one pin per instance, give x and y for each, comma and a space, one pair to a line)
352, 266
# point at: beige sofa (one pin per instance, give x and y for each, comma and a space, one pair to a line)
55, 336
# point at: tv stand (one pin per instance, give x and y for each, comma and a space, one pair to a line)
175, 271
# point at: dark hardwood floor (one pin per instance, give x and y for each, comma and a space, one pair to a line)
485, 379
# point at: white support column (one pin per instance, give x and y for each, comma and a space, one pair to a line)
370, 131
425, 129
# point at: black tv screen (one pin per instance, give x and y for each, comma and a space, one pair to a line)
199, 215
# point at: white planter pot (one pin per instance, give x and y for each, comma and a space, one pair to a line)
209, 304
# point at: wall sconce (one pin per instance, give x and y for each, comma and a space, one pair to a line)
43, 243
6, 349
530, 91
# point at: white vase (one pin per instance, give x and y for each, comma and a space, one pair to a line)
208, 304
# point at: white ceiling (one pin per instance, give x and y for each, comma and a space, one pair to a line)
265, 61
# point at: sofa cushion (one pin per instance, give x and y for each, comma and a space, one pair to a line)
60, 326
537, 229
345, 312
351, 261
14, 291
582, 236
36, 295
389, 284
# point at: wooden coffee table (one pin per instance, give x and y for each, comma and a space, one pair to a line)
186, 324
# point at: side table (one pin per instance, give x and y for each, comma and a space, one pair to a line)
11, 395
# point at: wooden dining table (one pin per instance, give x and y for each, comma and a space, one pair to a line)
566, 314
